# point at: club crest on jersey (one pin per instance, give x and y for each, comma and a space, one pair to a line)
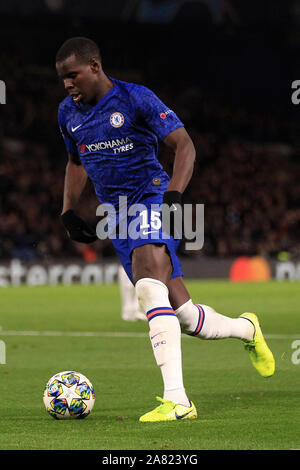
116, 119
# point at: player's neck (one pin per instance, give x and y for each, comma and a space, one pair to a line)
105, 84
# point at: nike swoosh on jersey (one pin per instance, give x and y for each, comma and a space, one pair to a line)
75, 128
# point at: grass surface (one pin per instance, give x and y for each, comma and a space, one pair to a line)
237, 409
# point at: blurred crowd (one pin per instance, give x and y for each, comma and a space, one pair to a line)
246, 174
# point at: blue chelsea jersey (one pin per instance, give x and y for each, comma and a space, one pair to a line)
117, 140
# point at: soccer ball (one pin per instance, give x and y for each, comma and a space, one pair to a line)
69, 395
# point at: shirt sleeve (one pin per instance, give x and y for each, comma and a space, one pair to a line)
157, 115
69, 142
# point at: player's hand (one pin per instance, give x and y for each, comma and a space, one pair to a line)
173, 203
77, 228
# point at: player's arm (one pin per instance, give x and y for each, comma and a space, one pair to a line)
185, 153
168, 128
183, 147
75, 181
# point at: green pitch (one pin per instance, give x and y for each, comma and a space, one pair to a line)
49, 329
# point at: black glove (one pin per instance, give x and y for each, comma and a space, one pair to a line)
77, 229
173, 199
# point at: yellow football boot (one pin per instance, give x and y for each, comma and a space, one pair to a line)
169, 411
260, 354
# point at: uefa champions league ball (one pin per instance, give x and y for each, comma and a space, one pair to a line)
69, 395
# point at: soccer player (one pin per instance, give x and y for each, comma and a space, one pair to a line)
111, 130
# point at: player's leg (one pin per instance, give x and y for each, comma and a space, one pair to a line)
152, 268
205, 323
130, 310
149, 264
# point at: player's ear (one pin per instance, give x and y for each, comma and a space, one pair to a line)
95, 65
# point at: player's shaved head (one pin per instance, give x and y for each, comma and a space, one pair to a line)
83, 49
79, 66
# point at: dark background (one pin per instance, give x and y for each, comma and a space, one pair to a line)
225, 67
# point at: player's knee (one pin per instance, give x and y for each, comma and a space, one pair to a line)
152, 261
151, 293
